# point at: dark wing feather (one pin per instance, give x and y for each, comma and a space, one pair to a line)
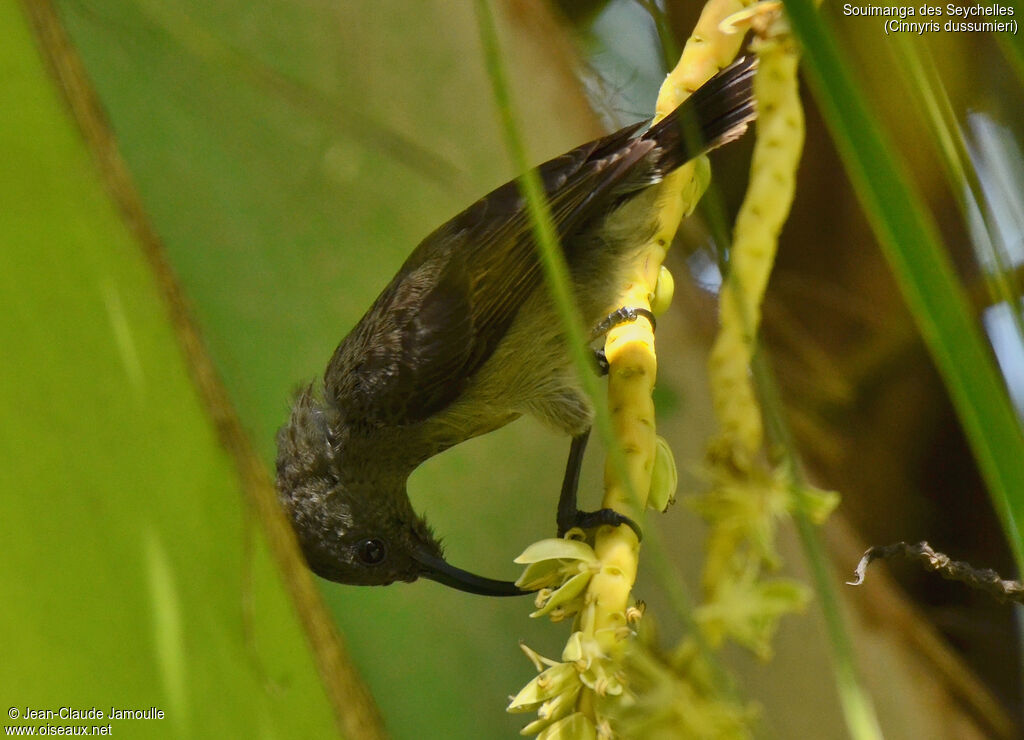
451, 303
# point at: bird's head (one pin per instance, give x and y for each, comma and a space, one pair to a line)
350, 510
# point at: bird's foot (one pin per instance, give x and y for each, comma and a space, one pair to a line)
593, 519
621, 316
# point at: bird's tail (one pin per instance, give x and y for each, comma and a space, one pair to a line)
715, 114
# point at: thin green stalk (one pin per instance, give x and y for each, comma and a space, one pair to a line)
669, 47
964, 183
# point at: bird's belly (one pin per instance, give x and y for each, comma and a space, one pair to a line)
530, 371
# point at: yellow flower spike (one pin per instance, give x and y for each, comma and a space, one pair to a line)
601, 626
629, 349
780, 132
748, 498
707, 51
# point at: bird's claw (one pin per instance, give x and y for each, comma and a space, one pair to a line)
592, 519
621, 316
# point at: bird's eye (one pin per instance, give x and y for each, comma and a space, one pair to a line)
371, 551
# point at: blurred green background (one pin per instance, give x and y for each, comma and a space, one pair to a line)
290, 155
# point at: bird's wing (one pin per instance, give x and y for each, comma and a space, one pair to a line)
445, 312
453, 300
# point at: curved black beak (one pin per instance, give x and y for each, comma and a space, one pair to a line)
437, 569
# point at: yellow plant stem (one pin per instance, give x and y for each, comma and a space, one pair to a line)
780, 135
748, 496
707, 50
631, 352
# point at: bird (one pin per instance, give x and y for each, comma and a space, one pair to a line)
464, 340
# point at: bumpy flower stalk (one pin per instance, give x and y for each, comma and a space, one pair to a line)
780, 136
630, 347
748, 497
593, 585
596, 584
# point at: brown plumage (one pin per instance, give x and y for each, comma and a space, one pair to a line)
464, 340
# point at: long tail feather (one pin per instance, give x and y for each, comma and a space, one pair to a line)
717, 113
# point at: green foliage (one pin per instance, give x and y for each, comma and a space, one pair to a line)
132, 577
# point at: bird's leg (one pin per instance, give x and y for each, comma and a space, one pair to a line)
567, 510
569, 515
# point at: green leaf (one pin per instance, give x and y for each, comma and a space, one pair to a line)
132, 576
